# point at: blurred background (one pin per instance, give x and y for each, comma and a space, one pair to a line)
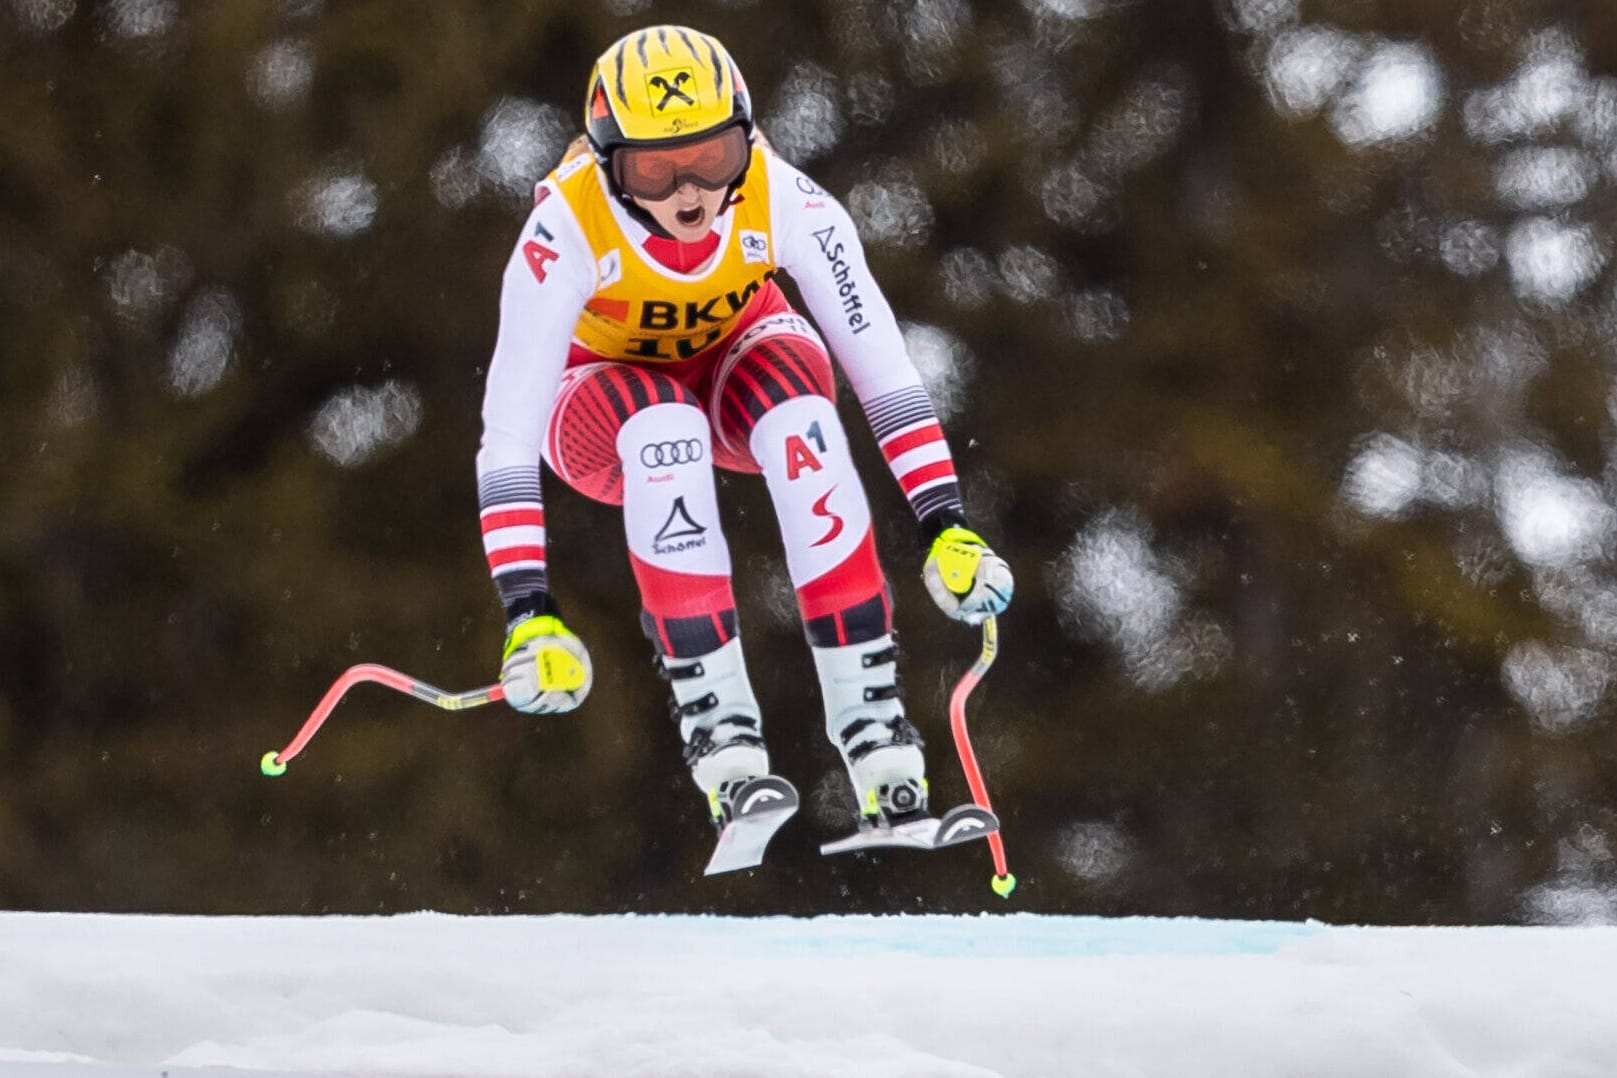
1274, 338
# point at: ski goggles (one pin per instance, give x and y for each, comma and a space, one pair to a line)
653, 173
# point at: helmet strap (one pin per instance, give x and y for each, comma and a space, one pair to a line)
641, 214
603, 161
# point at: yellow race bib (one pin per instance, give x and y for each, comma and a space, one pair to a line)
641, 309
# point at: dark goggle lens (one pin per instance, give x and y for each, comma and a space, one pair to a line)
654, 174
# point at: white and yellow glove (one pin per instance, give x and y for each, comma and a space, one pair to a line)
547, 669
967, 580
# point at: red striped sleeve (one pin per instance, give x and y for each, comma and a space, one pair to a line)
507, 555
903, 443
513, 518
943, 469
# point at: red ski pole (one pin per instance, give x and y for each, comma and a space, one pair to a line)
274, 763
1003, 882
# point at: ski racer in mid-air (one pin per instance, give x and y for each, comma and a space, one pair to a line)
643, 341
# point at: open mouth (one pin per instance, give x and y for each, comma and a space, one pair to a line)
689, 218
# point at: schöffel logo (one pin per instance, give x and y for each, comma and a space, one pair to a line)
662, 454
842, 275
679, 532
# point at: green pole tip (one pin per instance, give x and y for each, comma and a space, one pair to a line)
1002, 885
270, 765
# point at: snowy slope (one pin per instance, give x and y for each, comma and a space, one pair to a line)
914, 997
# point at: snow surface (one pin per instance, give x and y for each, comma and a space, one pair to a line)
94, 996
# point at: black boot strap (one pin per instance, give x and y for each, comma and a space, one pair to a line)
886, 655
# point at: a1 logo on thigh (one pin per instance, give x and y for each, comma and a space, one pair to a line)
799, 458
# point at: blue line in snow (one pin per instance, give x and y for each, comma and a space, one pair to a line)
999, 936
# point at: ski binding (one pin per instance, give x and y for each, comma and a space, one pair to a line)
963, 823
761, 806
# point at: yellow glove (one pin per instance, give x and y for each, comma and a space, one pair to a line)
966, 579
546, 669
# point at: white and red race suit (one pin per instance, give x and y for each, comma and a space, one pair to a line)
633, 364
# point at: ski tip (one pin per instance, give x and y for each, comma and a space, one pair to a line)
1003, 885
270, 765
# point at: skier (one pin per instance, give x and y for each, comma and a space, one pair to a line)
643, 341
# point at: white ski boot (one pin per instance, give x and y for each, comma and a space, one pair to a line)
864, 718
720, 723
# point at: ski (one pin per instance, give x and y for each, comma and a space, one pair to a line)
963, 823
761, 806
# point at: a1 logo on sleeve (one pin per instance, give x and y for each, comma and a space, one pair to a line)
754, 246
538, 256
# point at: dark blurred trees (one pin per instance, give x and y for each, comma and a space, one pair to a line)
1278, 335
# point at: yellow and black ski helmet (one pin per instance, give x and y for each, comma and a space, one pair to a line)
663, 84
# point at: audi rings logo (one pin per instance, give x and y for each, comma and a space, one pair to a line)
662, 454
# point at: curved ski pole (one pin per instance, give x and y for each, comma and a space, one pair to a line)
274, 763
1003, 882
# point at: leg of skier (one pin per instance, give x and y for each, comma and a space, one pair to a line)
773, 397
633, 437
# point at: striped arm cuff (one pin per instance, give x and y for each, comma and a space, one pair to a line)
513, 524
911, 438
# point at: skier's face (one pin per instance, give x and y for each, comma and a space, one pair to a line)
688, 214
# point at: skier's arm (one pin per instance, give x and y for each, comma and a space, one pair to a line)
818, 246
548, 278
547, 281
